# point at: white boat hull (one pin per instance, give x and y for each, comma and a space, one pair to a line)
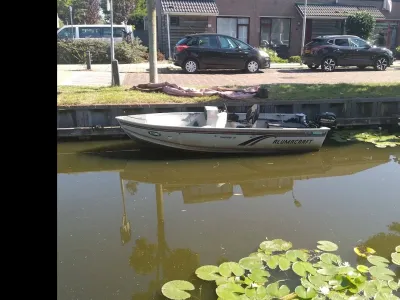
225, 140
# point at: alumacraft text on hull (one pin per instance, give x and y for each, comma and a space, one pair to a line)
217, 130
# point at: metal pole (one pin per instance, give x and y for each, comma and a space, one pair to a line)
303, 37
112, 40
169, 38
152, 19
72, 23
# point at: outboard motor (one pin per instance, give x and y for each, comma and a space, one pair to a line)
326, 119
302, 119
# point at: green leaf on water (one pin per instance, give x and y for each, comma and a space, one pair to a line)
307, 284
305, 293
299, 268
381, 273
208, 272
330, 258
378, 260
259, 276
176, 289
250, 263
273, 261
364, 251
291, 255
275, 291
230, 291
327, 246
258, 293
302, 254
222, 280
227, 268
394, 285
284, 263
362, 269
397, 249
275, 245
328, 271
317, 281
396, 258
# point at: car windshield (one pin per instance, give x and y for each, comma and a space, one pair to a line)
243, 45
183, 41
315, 42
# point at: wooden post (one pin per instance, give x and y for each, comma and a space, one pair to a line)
152, 19
88, 60
115, 73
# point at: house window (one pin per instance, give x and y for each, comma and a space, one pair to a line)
174, 21
275, 32
234, 27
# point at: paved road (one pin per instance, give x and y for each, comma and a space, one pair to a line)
212, 78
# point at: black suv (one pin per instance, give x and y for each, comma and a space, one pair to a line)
345, 50
217, 51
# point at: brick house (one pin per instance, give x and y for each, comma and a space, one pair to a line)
273, 23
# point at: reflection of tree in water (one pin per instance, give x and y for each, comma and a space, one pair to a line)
143, 257
132, 187
384, 244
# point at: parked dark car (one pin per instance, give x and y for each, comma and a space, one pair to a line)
216, 51
345, 50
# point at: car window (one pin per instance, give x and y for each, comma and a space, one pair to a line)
66, 33
193, 42
358, 43
342, 42
90, 32
208, 42
315, 42
227, 43
118, 32
330, 42
183, 41
242, 45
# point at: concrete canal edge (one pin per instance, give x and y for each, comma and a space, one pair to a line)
99, 120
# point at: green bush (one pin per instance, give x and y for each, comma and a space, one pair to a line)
361, 24
295, 59
398, 50
274, 56
74, 51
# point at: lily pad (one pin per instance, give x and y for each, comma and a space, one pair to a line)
330, 258
305, 293
259, 276
362, 268
397, 249
394, 285
273, 262
259, 293
396, 258
176, 289
364, 251
284, 263
328, 271
222, 280
229, 291
291, 255
275, 245
250, 263
208, 272
378, 260
275, 291
381, 273
317, 281
302, 254
301, 268
307, 284
226, 269
327, 246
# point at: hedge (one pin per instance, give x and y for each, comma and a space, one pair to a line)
74, 51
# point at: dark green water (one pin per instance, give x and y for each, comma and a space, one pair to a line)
129, 220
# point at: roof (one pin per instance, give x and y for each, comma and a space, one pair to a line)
336, 11
190, 7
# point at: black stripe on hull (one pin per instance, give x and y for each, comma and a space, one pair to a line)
227, 131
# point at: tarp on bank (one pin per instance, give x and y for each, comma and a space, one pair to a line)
175, 90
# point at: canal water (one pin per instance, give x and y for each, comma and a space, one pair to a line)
130, 220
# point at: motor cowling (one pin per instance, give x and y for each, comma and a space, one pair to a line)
326, 119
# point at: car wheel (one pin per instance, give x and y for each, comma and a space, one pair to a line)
328, 64
381, 63
190, 66
313, 67
252, 66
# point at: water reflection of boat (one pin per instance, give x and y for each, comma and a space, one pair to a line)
211, 180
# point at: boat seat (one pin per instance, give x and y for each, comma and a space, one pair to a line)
218, 122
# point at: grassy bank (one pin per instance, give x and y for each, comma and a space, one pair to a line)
78, 95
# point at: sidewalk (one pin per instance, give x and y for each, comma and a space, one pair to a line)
100, 75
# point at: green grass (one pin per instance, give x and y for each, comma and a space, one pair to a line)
84, 95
